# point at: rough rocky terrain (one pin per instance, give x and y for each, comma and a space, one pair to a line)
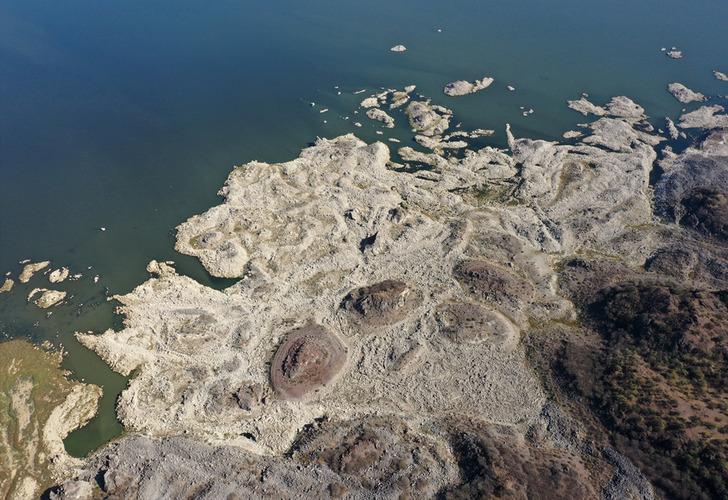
538, 322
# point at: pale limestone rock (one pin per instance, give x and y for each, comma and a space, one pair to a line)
30, 269
380, 116
585, 107
461, 87
48, 298
59, 275
705, 117
684, 94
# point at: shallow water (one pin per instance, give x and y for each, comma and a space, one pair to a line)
129, 115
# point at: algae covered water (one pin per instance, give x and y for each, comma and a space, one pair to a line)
128, 116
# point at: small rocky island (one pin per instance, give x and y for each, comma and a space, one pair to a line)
445, 320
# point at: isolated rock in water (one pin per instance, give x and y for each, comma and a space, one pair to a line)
705, 117
48, 298
370, 102
684, 94
427, 119
382, 303
7, 285
381, 116
461, 87
674, 54
719, 75
59, 275
308, 359
30, 269
398, 48
585, 107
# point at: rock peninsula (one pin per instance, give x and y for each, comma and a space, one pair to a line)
409, 323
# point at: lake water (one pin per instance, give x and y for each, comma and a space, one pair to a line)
129, 115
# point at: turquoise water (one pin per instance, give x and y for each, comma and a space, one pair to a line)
129, 115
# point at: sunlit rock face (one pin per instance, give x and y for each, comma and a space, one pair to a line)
382, 308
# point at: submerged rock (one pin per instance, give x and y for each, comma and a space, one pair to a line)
719, 75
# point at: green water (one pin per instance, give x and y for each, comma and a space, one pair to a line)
129, 115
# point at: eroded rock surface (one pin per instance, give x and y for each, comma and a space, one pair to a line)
376, 306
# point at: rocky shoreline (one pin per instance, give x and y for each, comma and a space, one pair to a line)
427, 323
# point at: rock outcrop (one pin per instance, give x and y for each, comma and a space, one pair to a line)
684, 94
462, 87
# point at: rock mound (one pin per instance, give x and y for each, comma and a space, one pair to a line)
309, 358
383, 303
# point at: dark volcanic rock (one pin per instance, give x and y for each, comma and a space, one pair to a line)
383, 303
380, 454
308, 359
657, 381
495, 463
706, 211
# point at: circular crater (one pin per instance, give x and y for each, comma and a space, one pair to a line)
383, 303
308, 359
466, 323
